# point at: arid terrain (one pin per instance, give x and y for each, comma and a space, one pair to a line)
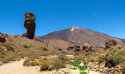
18, 68
69, 51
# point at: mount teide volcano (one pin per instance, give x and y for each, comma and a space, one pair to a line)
70, 36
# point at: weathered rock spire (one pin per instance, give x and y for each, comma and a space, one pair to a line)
29, 25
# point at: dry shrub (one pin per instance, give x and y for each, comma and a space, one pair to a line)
24, 43
45, 49
114, 57
56, 63
8, 53
47, 63
35, 62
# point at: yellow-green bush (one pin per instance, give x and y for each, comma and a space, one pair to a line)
25, 44
113, 57
35, 62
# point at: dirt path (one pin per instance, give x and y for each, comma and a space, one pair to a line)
17, 68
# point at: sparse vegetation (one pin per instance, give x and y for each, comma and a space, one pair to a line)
47, 63
113, 57
40, 55
19, 48
8, 53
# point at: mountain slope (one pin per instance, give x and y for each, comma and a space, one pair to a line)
80, 36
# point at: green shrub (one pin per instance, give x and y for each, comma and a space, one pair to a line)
76, 62
80, 66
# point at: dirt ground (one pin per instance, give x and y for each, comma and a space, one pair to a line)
17, 68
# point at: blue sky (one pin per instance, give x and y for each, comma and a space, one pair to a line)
106, 16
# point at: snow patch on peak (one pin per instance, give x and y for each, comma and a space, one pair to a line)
72, 29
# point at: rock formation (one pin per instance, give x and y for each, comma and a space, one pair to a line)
110, 43
3, 37
29, 24
87, 47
